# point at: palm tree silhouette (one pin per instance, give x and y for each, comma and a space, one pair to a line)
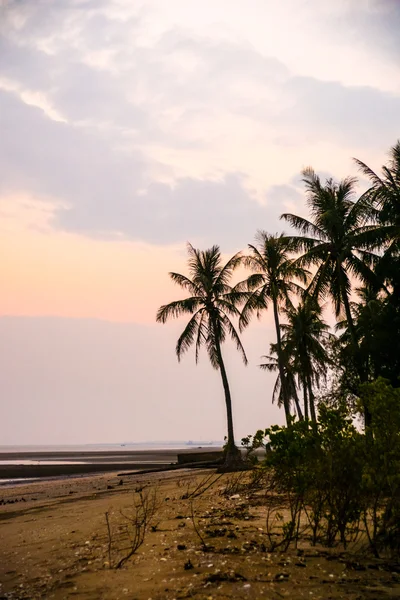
384, 198
271, 282
337, 242
211, 304
303, 337
271, 364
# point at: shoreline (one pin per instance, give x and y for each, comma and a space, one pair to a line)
96, 462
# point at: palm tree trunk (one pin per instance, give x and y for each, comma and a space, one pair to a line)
232, 455
280, 364
305, 399
356, 349
349, 319
311, 400
298, 407
352, 329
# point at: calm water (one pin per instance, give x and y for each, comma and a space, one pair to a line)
129, 447
88, 448
42, 462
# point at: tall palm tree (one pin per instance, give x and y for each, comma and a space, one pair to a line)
336, 241
272, 282
271, 364
211, 304
304, 337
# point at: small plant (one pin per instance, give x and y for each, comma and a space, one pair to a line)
127, 539
253, 442
197, 530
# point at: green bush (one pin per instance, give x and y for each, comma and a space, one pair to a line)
339, 481
381, 472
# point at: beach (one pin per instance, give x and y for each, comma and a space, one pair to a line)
55, 543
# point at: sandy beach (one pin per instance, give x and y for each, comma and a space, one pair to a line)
55, 544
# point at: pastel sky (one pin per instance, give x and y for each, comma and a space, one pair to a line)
128, 128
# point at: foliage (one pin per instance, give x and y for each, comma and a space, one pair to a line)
336, 240
271, 363
383, 198
211, 304
341, 482
304, 340
381, 473
273, 281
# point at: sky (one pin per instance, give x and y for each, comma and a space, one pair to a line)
128, 129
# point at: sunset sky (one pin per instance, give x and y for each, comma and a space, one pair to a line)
126, 130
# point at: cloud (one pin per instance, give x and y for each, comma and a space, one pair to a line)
105, 192
358, 115
202, 211
60, 161
162, 133
376, 25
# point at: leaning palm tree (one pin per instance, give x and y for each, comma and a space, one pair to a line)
272, 282
211, 304
304, 336
337, 241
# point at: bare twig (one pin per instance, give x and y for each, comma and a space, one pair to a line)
201, 487
197, 530
135, 526
109, 540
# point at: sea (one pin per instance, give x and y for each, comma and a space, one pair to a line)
68, 454
125, 446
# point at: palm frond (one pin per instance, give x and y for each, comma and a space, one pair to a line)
235, 337
225, 273
178, 308
304, 226
368, 172
187, 337
255, 303
202, 333
254, 281
185, 283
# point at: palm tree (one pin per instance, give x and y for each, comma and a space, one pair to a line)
377, 320
272, 281
272, 365
384, 196
211, 304
337, 242
303, 338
